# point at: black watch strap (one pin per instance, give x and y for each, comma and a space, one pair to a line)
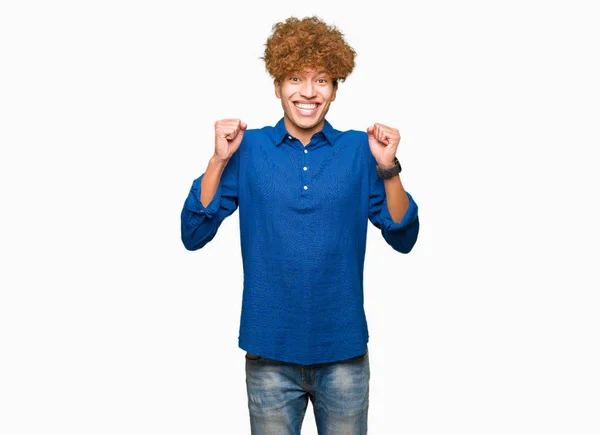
389, 172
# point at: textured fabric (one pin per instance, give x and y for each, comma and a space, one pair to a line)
303, 213
278, 395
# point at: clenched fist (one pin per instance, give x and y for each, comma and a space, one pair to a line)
228, 136
383, 141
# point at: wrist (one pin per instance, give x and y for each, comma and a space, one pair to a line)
387, 164
218, 161
389, 171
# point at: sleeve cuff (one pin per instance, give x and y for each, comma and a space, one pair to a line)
409, 217
193, 201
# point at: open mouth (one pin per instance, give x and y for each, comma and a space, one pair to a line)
307, 108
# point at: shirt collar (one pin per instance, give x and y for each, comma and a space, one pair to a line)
328, 131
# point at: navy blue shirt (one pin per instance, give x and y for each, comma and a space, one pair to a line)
303, 214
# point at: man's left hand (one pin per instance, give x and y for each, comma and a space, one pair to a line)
383, 141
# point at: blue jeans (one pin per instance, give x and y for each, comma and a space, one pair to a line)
278, 395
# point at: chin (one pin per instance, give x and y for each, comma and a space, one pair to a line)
308, 123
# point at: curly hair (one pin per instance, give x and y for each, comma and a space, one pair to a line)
296, 45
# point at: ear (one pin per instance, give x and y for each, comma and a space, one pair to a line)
277, 86
333, 94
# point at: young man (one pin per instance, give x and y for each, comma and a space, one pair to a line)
305, 193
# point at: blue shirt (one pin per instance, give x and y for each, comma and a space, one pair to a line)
303, 214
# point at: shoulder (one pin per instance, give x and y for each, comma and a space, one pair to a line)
256, 140
257, 132
266, 132
260, 135
357, 141
354, 135
352, 138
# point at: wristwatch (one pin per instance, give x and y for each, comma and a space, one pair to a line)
389, 172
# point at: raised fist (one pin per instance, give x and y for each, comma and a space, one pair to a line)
228, 136
383, 141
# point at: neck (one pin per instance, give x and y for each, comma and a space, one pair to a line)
302, 134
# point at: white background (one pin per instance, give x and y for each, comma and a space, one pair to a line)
109, 326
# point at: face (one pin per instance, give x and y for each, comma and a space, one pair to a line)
305, 97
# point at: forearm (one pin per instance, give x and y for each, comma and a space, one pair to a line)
211, 179
396, 198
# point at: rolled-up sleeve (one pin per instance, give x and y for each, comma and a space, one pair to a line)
401, 236
199, 224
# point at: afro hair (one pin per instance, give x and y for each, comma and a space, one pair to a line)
298, 45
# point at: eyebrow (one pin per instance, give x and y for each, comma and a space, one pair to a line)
298, 73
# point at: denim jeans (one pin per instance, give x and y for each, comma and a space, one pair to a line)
278, 395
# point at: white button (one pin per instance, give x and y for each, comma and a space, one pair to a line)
290, 137
305, 168
305, 187
305, 151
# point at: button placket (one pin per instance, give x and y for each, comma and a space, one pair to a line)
305, 181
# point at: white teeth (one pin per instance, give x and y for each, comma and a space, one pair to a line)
306, 106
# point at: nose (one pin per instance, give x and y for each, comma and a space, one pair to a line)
308, 89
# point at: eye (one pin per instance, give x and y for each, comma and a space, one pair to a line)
322, 81
294, 79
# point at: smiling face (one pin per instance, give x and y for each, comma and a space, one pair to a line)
305, 98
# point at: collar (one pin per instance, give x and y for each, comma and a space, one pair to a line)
327, 131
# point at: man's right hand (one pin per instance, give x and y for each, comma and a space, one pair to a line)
228, 136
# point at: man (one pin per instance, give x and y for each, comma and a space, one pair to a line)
305, 193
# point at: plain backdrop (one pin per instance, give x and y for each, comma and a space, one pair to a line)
109, 326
